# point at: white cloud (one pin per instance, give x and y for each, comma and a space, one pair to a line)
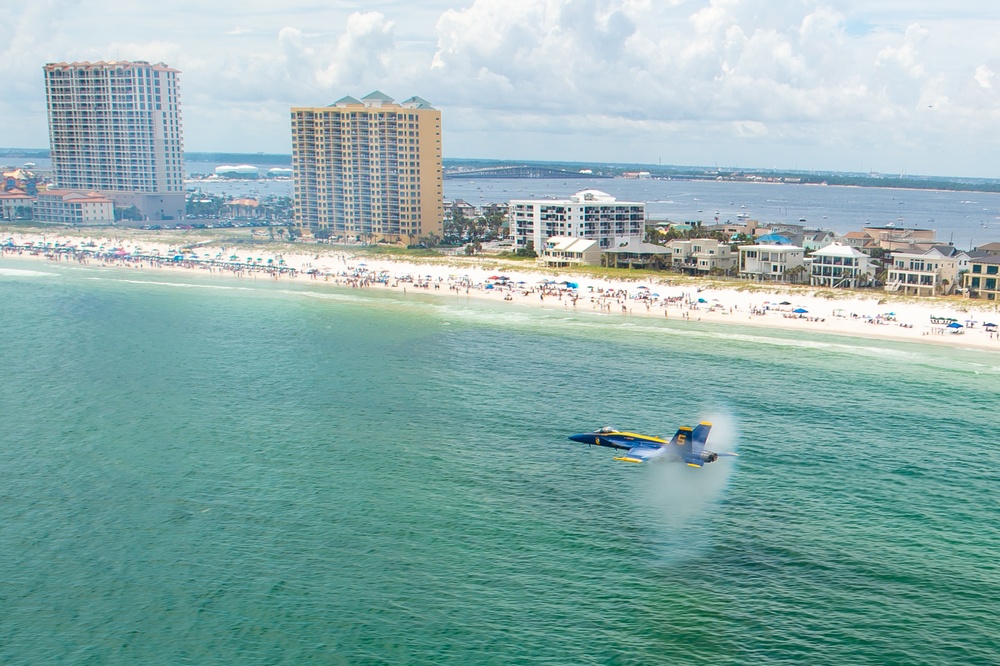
984, 77
702, 80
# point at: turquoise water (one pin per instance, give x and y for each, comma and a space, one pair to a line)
222, 471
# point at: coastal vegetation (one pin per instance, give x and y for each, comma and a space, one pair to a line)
260, 240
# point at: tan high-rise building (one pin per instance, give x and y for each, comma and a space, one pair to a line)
115, 127
369, 169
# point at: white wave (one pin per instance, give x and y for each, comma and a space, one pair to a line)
21, 272
181, 285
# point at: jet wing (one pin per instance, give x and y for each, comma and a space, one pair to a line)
640, 454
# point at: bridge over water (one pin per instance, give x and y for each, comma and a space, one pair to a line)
522, 171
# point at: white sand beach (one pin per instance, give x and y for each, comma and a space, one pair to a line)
865, 314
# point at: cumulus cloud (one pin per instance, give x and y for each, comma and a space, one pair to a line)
362, 52
984, 77
634, 79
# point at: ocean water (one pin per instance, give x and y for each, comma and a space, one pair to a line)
217, 471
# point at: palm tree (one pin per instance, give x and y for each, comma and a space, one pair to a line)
794, 274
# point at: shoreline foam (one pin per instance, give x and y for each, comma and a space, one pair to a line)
855, 314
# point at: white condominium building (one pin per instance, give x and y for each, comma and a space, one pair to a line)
369, 169
115, 127
589, 214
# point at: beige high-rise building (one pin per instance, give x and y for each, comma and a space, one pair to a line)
369, 169
115, 127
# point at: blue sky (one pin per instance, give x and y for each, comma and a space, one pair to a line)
882, 85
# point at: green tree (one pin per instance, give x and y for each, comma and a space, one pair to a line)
131, 213
429, 240
794, 274
494, 222
456, 229
527, 251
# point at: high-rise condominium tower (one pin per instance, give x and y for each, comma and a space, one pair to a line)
115, 127
369, 169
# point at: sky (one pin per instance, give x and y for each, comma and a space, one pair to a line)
890, 86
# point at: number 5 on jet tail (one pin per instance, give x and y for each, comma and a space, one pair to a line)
687, 445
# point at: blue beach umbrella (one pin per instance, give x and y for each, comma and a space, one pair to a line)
955, 324
800, 311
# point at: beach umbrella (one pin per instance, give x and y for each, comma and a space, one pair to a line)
955, 324
784, 303
800, 311
702, 300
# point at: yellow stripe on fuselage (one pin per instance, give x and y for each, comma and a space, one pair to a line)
627, 459
645, 438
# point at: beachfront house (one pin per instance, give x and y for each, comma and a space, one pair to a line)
927, 272
701, 256
636, 254
772, 263
839, 265
983, 278
565, 251
589, 214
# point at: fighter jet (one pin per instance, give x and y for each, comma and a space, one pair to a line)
687, 445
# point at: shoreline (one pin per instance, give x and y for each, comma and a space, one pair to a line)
788, 307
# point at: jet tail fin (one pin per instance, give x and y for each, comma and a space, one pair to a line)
700, 436
691, 443
683, 438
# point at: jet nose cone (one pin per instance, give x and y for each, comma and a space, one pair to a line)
583, 438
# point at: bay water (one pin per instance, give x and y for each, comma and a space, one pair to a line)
203, 470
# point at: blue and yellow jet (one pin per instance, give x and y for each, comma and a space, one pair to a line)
687, 445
